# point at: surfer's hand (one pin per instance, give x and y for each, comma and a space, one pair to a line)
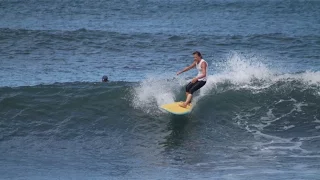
179, 72
194, 80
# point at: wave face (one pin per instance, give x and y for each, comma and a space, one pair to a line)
246, 119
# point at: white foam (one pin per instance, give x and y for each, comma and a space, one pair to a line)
288, 127
266, 142
154, 92
251, 73
311, 77
316, 119
284, 100
241, 71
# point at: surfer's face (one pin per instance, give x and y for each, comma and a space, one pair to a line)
196, 58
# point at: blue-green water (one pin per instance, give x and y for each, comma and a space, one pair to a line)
256, 118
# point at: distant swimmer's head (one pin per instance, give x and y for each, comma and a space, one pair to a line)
105, 79
197, 56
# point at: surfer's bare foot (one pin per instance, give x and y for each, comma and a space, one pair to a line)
184, 105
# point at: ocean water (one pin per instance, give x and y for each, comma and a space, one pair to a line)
256, 118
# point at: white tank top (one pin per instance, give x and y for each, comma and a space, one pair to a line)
199, 70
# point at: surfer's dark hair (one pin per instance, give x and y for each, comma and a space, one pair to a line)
197, 53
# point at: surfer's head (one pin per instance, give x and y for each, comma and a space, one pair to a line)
104, 78
197, 56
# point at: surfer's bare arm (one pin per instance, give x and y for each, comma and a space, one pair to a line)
187, 68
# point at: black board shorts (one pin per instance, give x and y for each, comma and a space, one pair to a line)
193, 87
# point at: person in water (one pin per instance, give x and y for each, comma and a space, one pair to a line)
105, 79
199, 81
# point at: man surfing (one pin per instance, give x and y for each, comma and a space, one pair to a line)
197, 82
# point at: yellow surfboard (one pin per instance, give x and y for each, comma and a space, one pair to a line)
174, 108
